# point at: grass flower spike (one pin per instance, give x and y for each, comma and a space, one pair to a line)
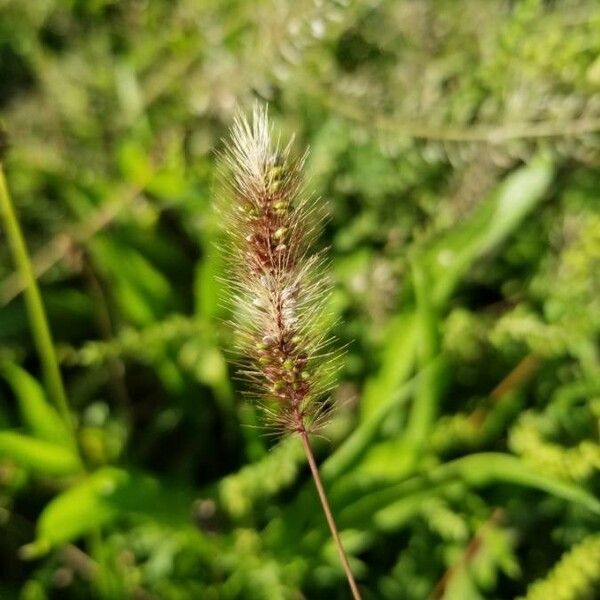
279, 288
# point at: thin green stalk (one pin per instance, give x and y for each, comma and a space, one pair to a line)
38, 321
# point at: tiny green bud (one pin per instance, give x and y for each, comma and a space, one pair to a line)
288, 364
304, 375
275, 172
280, 233
296, 339
264, 360
278, 386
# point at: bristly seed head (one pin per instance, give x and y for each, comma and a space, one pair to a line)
278, 288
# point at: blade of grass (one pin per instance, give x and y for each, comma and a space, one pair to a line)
42, 420
449, 258
38, 455
397, 362
428, 390
40, 329
353, 449
475, 470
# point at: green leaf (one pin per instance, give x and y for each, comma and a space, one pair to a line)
491, 467
142, 291
429, 388
387, 505
462, 587
494, 220
208, 289
134, 162
37, 414
103, 497
396, 364
37, 455
354, 448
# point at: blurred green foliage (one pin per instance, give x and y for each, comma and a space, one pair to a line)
456, 144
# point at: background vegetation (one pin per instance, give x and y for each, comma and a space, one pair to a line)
456, 146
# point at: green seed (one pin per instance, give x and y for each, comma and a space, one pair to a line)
288, 364
275, 172
280, 233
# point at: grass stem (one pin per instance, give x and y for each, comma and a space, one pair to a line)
40, 329
329, 514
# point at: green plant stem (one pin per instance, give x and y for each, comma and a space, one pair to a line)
38, 321
328, 514
490, 134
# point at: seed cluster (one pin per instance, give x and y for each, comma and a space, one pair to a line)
278, 287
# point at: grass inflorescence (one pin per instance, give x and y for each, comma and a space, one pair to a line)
279, 287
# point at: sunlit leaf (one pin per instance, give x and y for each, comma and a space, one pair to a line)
494, 220
46, 458
39, 416
104, 496
475, 470
396, 363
